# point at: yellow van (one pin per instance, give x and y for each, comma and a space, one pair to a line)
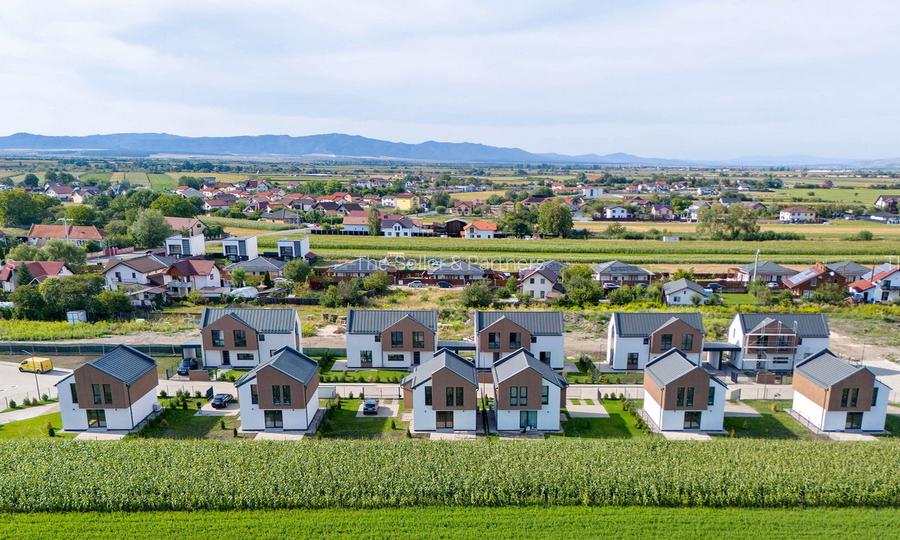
36, 364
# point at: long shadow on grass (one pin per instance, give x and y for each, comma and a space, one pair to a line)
766, 426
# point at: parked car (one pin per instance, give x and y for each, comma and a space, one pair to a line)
370, 406
416, 284
186, 365
444, 284
610, 286
714, 287
36, 364
220, 401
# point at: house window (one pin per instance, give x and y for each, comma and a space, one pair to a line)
396, 340
459, 396
679, 397
532, 281
854, 397
545, 395
782, 342
874, 396
365, 357
687, 342
449, 396
218, 338
762, 341
545, 357
646, 341
493, 340
262, 337
395, 358
286, 394
418, 339
845, 396
712, 396
254, 394
240, 338
690, 396
377, 338
428, 396
632, 360
95, 390
513, 396
534, 339
107, 394
666, 342
74, 392
515, 340
523, 395
247, 357
276, 394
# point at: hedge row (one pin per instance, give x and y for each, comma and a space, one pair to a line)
172, 475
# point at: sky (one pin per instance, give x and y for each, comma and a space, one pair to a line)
678, 79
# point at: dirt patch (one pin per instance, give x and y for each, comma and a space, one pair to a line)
331, 336
858, 348
584, 342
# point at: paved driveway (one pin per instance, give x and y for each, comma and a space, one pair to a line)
586, 411
30, 412
385, 410
17, 385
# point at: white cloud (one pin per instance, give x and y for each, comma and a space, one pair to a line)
678, 79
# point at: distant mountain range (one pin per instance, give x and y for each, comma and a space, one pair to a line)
354, 147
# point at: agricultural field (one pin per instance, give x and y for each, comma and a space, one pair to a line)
95, 176
469, 523
84, 476
22, 330
834, 230
161, 182
246, 225
34, 428
857, 195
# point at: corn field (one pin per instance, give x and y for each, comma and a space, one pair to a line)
135, 475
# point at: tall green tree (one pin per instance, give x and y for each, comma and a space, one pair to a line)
296, 270
67, 252
19, 208
82, 214
555, 219
150, 229
374, 222
31, 180
23, 275
174, 206
734, 222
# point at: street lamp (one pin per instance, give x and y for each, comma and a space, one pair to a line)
36, 385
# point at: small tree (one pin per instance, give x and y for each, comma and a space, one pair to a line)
23, 275
267, 280
150, 228
378, 282
374, 222
477, 295
238, 277
297, 270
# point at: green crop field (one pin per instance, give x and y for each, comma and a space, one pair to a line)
470, 523
162, 182
95, 176
857, 195
136, 178
247, 224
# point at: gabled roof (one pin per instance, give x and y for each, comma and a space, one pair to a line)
805, 324
182, 223
265, 320
521, 360
546, 272
861, 285
280, 214
39, 270
289, 361
630, 324
442, 359
191, 267
825, 369
616, 267
681, 284
671, 366
767, 268
798, 210
124, 363
145, 264
259, 264
883, 267
73, 232
538, 323
375, 321
482, 225
458, 268
360, 265
804, 276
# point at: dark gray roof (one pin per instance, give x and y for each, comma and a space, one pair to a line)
265, 320
720, 346
457, 268
124, 363
538, 323
374, 321
280, 214
825, 369
360, 265
643, 324
680, 284
806, 324
442, 359
259, 264
848, 268
289, 361
768, 268
668, 367
520, 360
616, 267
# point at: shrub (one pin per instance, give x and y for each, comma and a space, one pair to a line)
163, 394
222, 423
34, 402
13, 404
45, 397
774, 407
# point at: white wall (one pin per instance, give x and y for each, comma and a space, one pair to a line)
683, 298
874, 419
547, 415
74, 418
711, 419
534, 289
253, 418
552, 344
128, 275
357, 343
621, 347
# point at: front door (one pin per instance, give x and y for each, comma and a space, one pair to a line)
226, 358
445, 419
528, 419
96, 418
417, 358
854, 420
273, 419
692, 419
632, 361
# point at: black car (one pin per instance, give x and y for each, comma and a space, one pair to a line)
220, 401
370, 406
186, 365
444, 284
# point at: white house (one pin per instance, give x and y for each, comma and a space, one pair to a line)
634, 338
185, 246
499, 333
682, 292
616, 212
528, 394
619, 273
796, 214
396, 226
591, 192
765, 271
114, 392
240, 248
137, 271
543, 281
293, 249
246, 337
480, 230
834, 395
442, 394
40, 271
384, 338
882, 286
679, 395
776, 341
281, 394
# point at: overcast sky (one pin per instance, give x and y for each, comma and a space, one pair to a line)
678, 79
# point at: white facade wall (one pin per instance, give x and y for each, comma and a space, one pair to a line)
356, 343
616, 212
711, 419
551, 344
74, 418
253, 418
618, 349
540, 289
197, 244
127, 275
872, 420
425, 418
683, 297
356, 228
474, 233
547, 415
805, 349
268, 345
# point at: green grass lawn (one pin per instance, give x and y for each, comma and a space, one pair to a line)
625, 377
738, 299
20, 406
342, 422
769, 425
475, 523
161, 182
364, 376
892, 425
177, 423
33, 428
619, 425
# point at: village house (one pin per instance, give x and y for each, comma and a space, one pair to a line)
480, 229
499, 333
616, 212
259, 267
381, 338
457, 272
442, 394
683, 292
796, 214
79, 235
888, 203
776, 341
280, 394
179, 246
246, 337
359, 268
692, 213
591, 192
662, 212
542, 281
634, 338
679, 395
141, 278
186, 226
84, 194
59, 192
281, 215
886, 217
834, 395
765, 271
357, 222
211, 205
463, 208
240, 248
454, 227
528, 394
114, 392
11, 272
618, 273
882, 287
294, 249
188, 275
805, 283
187, 192
399, 226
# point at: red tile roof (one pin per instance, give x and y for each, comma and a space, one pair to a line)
73, 232
40, 270
482, 225
192, 267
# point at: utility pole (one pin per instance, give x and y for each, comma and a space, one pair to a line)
755, 266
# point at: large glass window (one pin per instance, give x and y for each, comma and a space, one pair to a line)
449, 396
690, 396
428, 395
286, 394
493, 340
687, 342
523, 395
459, 396
107, 394
365, 357
874, 396
711, 400
74, 391
96, 418
218, 338
845, 397
276, 395
515, 340
666, 341
418, 339
513, 396
254, 394
545, 395
396, 339
679, 397
95, 391
854, 397
240, 338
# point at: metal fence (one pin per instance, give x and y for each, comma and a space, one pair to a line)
760, 392
355, 390
16, 348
